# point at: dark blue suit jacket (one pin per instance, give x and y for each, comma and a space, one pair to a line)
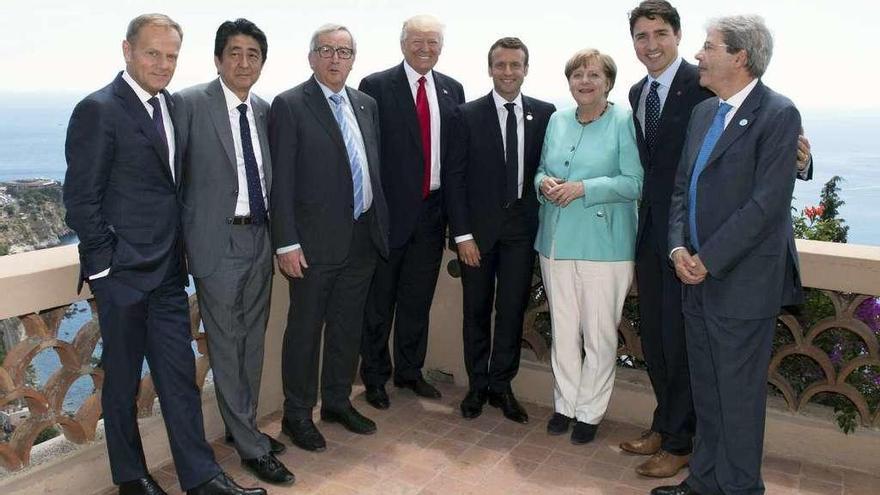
743, 206
119, 193
402, 159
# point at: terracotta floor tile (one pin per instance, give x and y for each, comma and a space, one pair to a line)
512, 430
825, 474
498, 443
466, 434
815, 487
776, 463
530, 452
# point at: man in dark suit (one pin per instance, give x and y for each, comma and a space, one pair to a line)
329, 227
415, 104
493, 216
732, 244
120, 192
662, 103
227, 173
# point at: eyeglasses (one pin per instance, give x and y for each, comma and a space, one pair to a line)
327, 51
708, 46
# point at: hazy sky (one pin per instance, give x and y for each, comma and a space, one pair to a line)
821, 58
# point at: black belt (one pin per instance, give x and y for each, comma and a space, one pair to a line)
240, 220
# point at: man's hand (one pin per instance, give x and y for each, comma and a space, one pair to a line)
292, 263
566, 192
689, 268
469, 253
803, 153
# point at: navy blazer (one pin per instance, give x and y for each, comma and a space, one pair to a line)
743, 212
119, 193
474, 176
402, 159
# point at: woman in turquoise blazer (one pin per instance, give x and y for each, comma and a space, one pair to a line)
588, 183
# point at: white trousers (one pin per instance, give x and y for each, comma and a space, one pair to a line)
586, 301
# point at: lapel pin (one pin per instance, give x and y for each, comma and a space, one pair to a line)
445, 92
678, 93
743, 122
529, 116
362, 107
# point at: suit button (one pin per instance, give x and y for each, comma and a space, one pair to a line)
600, 213
566, 163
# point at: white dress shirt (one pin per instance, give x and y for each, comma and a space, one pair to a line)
434, 107
242, 204
665, 79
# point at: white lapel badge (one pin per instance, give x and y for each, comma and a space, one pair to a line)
743, 122
529, 116
362, 107
444, 91
678, 93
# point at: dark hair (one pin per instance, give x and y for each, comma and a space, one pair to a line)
239, 26
512, 43
653, 9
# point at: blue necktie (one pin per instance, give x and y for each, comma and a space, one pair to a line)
705, 150
158, 121
354, 156
652, 115
251, 170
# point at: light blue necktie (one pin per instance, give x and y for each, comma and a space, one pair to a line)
354, 156
705, 150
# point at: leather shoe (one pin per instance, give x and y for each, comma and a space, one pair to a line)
509, 406
559, 424
350, 419
377, 397
647, 444
223, 485
420, 387
269, 469
275, 446
583, 433
141, 486
472, 405
663, 465
680, 489
304, 434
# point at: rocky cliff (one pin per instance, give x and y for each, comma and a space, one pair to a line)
31, 215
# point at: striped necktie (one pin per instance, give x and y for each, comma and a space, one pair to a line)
346, 122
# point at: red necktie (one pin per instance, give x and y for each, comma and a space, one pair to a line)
424, 115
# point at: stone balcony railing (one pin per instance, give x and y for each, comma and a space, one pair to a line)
38, 287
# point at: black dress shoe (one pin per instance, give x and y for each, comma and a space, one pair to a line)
304, 434
377, 397
509, 406
275, 446
141, 486
583, 433
680, 489
559, 424
472, 405
420, 387
223, 485
349, 418
269, 469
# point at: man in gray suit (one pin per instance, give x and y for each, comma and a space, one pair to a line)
226, 175
329, 227
732, 244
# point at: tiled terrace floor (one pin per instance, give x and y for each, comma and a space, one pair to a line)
425, 447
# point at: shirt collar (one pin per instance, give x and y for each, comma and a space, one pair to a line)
413, 77
329, 92
737, 100
666, 77
232, 101
500, 101
141, 93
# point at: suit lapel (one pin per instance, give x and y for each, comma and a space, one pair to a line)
700, 123
220, 118
366, 128
320, 108
178, 160
447, 105
490, 116
742, 120
673, 98
635, 94
138, 113
528, 129
405, 104
260, 117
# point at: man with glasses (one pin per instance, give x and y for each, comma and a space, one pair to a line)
415, 104
329, 227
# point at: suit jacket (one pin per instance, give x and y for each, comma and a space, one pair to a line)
474, 176
684, 94
210, 172
743, 216
402, 158
312, 199
120, 196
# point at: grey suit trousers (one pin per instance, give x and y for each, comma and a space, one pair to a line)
234, 304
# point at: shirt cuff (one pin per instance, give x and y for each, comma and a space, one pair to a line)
287, 249
100, 274
673, 252
461, 238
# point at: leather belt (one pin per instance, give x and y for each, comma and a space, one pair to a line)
239, 220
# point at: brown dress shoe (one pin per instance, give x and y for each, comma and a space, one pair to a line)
663, 465
647, 444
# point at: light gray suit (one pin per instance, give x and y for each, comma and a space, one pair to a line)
231, 263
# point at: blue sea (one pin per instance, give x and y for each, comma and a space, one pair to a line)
32, 132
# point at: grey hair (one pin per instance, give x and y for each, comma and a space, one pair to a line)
749, 33
330, 28
422, 22
135, 25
